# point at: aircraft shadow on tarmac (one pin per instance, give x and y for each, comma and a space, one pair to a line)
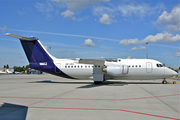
91, 84
10, 111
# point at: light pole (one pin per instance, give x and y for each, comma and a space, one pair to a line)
147, 50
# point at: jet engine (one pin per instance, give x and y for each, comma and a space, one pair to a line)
116, 70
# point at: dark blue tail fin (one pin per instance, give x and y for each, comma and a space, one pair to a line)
35, 52
38, 56
33, 48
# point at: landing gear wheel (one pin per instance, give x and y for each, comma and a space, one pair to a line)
97, 82
174, 82
164, 81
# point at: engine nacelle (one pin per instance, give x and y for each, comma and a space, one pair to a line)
116, 70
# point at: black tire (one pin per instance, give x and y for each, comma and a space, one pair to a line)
97, 82
164, 82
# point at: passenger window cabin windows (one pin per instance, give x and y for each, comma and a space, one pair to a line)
71, 66
78, 66
132, 65
139, 65
65, 66
68, 66
81, 66
74, 66
136, 65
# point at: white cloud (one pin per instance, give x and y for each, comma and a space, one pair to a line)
3, 29
19, 56
164, 45
78, 4
127, 42
70, 15
177, 53
171, 20
100, 41
138, 48
46, 47
66, 51
107, 49
47, 7
23, 11
129, 57
100, 10
67, 14
159, 37
105, 19
63, 34
8, 59
88, 43
128, 9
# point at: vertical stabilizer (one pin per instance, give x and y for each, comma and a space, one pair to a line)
38, 57
35, 52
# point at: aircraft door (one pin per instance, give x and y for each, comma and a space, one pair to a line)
57, 67
148, 67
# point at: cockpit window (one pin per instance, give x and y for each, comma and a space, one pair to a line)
159, 65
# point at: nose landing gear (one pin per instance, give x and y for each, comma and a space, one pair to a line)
164, 81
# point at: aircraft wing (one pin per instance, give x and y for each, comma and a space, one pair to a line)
21, 37
92, 61
96, 61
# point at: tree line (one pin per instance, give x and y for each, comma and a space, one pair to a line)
6, 66
18, 68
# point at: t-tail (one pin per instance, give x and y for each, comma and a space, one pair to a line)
38, 57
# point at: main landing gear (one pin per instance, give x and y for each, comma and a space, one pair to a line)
164, 81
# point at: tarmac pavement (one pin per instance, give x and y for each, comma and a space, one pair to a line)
48, 97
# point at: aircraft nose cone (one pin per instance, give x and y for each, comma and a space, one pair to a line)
174, 73
170, 72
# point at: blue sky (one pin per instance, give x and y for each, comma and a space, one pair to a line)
92, 29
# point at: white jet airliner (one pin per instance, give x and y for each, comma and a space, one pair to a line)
9, 72
1, 72
98, 70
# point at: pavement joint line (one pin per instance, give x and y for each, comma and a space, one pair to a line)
97, 109
159, 100
90, 99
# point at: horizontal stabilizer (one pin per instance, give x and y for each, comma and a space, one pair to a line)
21, 37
